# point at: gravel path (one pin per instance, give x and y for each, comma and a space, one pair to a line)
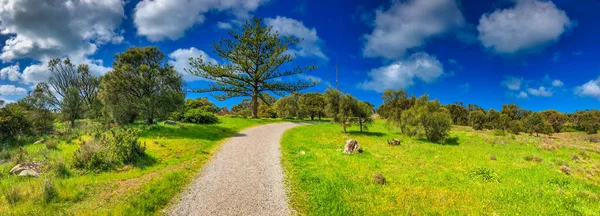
244, 177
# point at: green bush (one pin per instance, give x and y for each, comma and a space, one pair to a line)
60, 169
91, 155
115, 147
199, 116
51, 144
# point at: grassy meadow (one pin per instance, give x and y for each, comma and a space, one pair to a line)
174, 155
475, 173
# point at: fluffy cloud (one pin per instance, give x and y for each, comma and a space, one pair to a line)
512, 83
10, 73
521, 94
291, 27
401, 74
150, 20
589, 89
180, 59
57, 28
36, 73
540, 91
12, 90
407, 25
557, 83
530, 24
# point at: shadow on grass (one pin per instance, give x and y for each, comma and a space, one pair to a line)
366, 133
453, 141
212, 132
144, 161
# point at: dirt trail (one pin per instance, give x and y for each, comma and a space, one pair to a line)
245, 177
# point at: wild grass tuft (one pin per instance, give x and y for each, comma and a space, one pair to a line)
484, 175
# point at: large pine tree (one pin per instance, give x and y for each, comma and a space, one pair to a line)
254, 56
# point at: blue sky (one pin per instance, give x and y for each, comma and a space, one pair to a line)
537, 54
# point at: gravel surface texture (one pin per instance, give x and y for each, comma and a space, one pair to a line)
245, 177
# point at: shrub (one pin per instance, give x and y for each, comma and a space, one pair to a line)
49, 192
114, 147
61, 169
91, 155
484, 175
493, 157
199, 116
426, 118
123, 144
51, 144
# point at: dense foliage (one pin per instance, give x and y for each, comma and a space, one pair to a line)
115, 147
199, 116
141, 85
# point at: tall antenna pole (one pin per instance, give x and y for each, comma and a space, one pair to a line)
336, 77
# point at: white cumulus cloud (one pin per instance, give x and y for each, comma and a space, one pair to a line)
512, 83
309, 46
180, 59
161, 19
57, 28
409, 24
540, 91
10, 73
402, 73
12, 90
589, 89
557, 83
530, 24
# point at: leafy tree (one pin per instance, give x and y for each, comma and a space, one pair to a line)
141, 82
72, 106
394, 103
14, 121
39, 104
287, 107
535, 123
588, 120
427, 118
264, 109
255, 56
459, 113
313, 104
347, 110
513, 111
555, 118
515, 126
473, 107
363, 112
332, 100
477, 119
492, 119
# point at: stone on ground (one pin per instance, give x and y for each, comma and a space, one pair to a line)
352, 146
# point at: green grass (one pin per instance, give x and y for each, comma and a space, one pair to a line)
425, 178
175, 154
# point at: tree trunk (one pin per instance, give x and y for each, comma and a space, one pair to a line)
360, 122
255, 105
72, 123
319, 116
312, 117
344, 125
149, 121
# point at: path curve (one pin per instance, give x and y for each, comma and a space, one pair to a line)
245, 177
